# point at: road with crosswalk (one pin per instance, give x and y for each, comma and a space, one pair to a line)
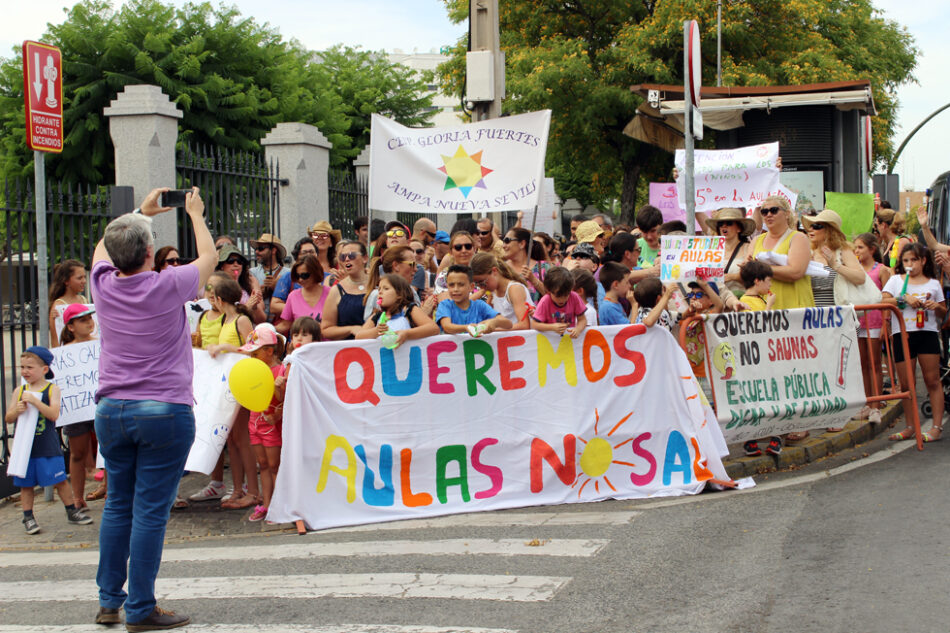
831, 550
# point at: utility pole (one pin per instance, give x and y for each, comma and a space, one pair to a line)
485, 63
719, 43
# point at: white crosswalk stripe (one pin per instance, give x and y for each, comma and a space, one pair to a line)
463, 586
445, 547
262, 628
497, 519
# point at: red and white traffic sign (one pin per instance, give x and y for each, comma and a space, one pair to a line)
43, 95
694, 69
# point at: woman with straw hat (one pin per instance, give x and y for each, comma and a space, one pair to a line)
830, 249
732, 224
791, 287
325, 237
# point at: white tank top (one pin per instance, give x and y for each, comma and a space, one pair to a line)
503, 305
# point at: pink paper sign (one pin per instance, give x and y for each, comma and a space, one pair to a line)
663, 197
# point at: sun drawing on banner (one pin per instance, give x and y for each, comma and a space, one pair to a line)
464, 171
598, 455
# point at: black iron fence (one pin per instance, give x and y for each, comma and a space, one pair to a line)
241, 192
348, 199
75, 219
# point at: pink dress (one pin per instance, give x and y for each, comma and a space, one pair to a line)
297, 306
873, 320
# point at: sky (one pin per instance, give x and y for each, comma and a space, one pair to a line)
422, 25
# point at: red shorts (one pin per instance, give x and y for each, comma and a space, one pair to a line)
262, 432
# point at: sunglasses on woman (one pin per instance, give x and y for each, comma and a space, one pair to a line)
304, 275
509, 240
419, 251
396, 233
460, 247
728, 223
817, 226
345, 257
319, 236
172, 261
770, 210
231, 261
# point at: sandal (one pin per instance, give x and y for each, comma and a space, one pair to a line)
95, 495
259, 513
929, 435
180, 504
906, 434
797, 437
241, 503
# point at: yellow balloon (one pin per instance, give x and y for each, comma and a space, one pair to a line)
252, 384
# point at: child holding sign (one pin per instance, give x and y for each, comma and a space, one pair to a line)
914, 290
46, 467
78, 328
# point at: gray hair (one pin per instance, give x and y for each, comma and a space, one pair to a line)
127, 239
484, 218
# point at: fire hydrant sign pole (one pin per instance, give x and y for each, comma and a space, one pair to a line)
692, 81
43, 97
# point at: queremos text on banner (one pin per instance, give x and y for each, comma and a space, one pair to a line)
741, 177
782, 371
495, 165
453, 424
686, 258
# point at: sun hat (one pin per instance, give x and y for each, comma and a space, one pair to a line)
826, 216
325, 227
730, 214
588, 231
76, 310
227, 250
263, 334
442, 236
44, 355
266, 239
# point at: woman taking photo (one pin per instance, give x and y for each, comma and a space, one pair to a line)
792, 289
732, 224
343, 310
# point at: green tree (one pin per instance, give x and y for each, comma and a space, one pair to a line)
580, 57
368, 83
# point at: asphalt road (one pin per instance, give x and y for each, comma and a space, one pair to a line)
861, 549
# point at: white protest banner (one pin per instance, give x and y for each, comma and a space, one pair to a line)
58, 320
494, 165
684, 258
76, 372
23, 442
549, 216
193, 311
741, 177
215, 408
452, 424
782, 371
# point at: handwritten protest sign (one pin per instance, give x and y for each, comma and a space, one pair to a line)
782, 371
76, 373
741, 177
452, 424
215, 408
686, 258
493, 165
663, 197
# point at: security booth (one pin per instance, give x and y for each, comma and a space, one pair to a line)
823, 130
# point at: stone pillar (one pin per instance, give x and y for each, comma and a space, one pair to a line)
143, 124
303, 154
361, 164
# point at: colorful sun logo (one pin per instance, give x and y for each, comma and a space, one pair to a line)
464, 171
598, 455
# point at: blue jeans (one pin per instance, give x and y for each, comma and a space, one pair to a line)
145, 444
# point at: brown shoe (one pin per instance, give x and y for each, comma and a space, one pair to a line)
159, 620
107, 616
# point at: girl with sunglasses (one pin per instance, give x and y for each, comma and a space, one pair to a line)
343, 310
399, 260
792, 289
307, 300
531, 269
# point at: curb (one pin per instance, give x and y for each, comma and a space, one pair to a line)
815, 448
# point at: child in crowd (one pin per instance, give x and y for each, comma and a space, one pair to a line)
614, 279
756, 278
211, 320
459, 313
915, 291
649, 219
69, 283
304, 330
264, 427
236, 327
510, 297
866, 249
652, 297
403, 315
46, 466
586, 288
561, 310
78, 328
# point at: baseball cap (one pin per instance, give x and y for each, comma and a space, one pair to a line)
44, 355
442, 236
76, 310
263, 334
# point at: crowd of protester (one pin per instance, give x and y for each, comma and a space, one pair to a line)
400, 283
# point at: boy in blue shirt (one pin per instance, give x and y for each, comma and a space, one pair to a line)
459, 314
46, 466
613, 277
